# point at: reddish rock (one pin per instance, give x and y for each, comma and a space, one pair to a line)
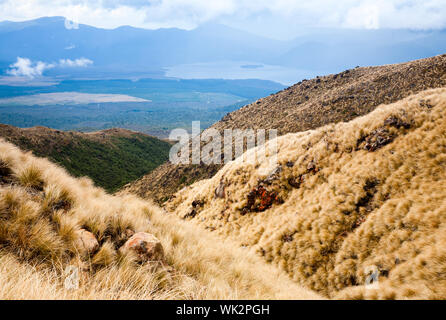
145, 246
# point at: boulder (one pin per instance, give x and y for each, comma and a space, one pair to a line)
85, 242
146, 247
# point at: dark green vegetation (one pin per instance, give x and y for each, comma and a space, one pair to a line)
174, 104
111, 167
110, 158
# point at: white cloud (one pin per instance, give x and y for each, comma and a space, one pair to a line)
82, 62
24, 67
279, 14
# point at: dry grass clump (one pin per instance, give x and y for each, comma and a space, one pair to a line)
42, 210
349, 198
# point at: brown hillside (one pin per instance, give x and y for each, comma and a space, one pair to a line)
43, 140
345, 201
307, 105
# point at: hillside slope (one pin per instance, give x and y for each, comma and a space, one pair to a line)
111, 157
307, 105
48, 221
345, 202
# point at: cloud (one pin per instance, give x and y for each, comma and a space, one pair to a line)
263, 15
24, 67
82, 62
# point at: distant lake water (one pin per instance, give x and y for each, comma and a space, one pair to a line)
240, 70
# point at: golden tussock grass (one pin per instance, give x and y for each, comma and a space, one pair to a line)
42, 208
344, 199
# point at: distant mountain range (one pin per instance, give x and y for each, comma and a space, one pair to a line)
132, 51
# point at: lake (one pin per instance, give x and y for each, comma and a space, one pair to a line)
240, 70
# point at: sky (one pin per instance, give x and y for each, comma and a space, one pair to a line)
279, 19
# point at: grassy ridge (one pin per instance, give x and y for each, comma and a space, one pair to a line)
110, 158
113, 166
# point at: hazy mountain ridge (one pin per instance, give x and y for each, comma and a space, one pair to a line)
139, 51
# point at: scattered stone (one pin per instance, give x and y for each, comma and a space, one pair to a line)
220, 190
274, 175
146, 247
85, 242
191, 214
426, 104
288, 237
311, 167
377, 139
295, 182
396, 122
197, 203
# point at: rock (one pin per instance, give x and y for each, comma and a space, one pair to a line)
311, 167
146, 247
426, 104
378, 139
295, 182
274, 175
220, 190
396, 122
85, 242
197, 203
190, 214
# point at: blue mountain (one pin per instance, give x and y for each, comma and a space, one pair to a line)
129, 50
